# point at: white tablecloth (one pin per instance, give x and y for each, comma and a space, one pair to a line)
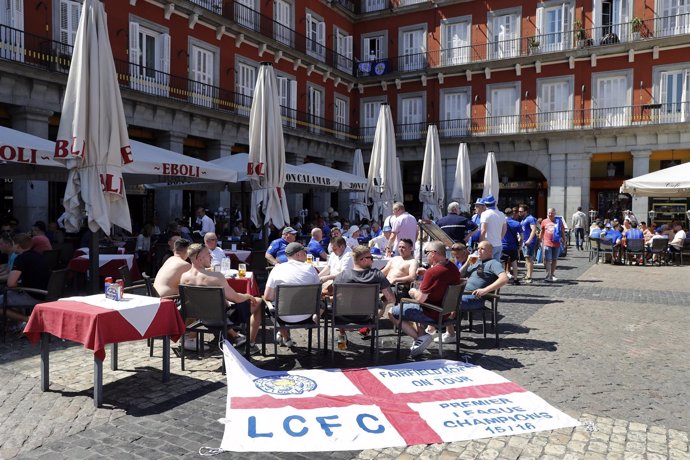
241, 255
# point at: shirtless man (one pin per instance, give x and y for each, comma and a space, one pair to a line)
198, 275
402, 269
167, 280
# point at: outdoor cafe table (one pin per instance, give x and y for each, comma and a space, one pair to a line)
246, 285
108, 264
241, 254
95, 321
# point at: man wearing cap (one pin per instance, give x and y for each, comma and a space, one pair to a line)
458, 228
41, 243
378, 244
314, 247
492, 224
292, 272
404, 226
275, 254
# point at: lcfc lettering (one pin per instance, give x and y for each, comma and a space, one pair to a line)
297, 426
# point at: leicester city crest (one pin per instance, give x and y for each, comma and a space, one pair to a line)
285, 384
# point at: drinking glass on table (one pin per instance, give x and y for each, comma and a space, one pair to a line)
225, 265
242, 270
310, 259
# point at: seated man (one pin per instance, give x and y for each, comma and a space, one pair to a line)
378, 243
28, 270
198, 275
167, 280
441, 274
676, 243
614, 234
275, 254
362, 272
292, 272
483, 277
217, 254
314, 247
401, 270
339, 260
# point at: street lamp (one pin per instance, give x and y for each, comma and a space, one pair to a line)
592, 215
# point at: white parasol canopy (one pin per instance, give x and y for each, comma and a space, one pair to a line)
92, 138
381, 184
398, 187
431, 192
668, 182
28, 156
462, 187
358, 207
491, 183
266, 164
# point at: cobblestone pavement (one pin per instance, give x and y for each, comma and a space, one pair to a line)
607, 344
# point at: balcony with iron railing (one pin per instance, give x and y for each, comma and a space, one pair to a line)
254, 21
536, 45
39, 52
52, 56
543, 122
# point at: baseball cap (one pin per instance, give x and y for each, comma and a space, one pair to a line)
480, 201
293, 248
289, 230
608, 225
387, 228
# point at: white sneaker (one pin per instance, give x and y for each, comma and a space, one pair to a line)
447, 338
420, 345
431, 330
553, 279
279, 339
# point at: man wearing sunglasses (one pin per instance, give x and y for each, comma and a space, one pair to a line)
441, 274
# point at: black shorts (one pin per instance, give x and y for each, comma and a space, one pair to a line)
509, 255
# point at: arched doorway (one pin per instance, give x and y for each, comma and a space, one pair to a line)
520, 183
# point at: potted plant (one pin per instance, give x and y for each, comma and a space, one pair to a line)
580, 34
636, 26
533, 44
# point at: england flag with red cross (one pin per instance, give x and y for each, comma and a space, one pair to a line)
422, 402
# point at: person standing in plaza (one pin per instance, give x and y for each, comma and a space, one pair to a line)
492, 224
458, 228
552, 233
579, 222
530, 238
404, 225
204, 223
511, 245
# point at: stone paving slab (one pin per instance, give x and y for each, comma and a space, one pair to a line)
618, 363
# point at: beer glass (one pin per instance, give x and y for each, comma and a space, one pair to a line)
242, 270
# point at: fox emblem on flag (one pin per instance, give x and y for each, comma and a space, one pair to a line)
387, 406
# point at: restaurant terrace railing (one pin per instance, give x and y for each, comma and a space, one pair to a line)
36, 51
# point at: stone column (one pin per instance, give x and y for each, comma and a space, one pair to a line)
31, 198
640, 205
321, 200
558, 182
169, 202
577, 178
295, 201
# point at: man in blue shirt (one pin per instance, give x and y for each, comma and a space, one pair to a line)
275, 254
457, 227
530, 240
314, 247
511, 243
614, 234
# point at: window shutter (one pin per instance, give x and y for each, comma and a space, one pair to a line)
308, 23
293, 94
64, 22
348, 47
684, 96
17, 14
540, 18
165, 53
134, 45
321, 33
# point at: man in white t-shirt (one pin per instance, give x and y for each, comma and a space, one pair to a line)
292, 272
339, 260
492, 224
404, 226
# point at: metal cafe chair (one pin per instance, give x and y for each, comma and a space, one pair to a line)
292, 300
354, 305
